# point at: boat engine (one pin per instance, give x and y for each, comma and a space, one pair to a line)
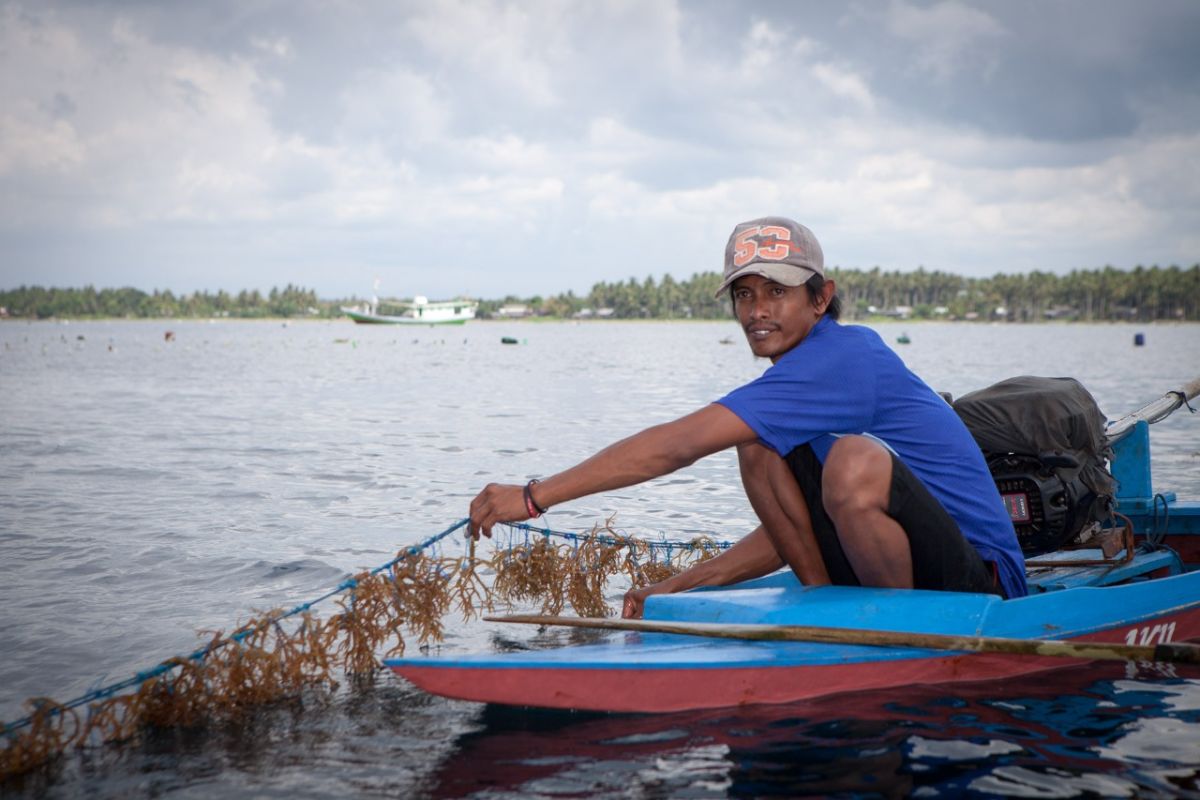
1043, 439
1047, 510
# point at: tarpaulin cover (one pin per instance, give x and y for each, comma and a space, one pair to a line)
1039, 417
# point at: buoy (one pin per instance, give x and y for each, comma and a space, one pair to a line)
903, 339
1139, 339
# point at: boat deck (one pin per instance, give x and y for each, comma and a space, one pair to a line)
1144, 564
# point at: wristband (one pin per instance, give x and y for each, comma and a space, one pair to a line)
531, 506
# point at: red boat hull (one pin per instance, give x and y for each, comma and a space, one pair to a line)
637, 688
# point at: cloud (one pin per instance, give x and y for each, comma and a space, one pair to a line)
845, 84
947, 36
254, 147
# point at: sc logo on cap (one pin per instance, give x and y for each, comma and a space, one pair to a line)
764, 242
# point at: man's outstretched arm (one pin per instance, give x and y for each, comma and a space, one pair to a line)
655, 451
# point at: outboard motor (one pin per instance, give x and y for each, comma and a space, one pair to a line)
1047, 511
1043, 439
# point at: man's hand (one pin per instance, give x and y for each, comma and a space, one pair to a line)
496, 503
635, 599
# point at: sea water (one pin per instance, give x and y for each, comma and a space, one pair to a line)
160, 478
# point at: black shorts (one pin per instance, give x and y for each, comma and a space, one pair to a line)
942, 558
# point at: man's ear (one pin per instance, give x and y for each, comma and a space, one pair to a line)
827, 291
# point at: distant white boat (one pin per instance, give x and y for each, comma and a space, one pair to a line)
420, 311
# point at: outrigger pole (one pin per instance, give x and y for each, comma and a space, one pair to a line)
1166, 652
1154, 411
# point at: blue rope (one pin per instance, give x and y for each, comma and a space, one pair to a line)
665, 545
105, 692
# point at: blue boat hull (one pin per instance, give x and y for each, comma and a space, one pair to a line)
666, 672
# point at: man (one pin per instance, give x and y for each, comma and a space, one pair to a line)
859, 473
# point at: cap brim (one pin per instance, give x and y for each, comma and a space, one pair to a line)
786, 274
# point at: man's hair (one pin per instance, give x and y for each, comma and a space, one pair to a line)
814, 285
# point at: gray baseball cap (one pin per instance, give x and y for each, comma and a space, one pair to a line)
777, 248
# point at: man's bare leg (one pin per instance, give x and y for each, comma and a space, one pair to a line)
856, 485
780, 506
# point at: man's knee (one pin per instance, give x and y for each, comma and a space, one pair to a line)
857, 476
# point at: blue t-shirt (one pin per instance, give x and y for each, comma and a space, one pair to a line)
842, 379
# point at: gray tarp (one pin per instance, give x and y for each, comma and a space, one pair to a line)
1040, 416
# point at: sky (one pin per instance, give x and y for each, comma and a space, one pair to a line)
485, 148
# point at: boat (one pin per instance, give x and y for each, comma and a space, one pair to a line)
1146, 602
420, 311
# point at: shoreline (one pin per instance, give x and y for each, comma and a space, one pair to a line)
874, 320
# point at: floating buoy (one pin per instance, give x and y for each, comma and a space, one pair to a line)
903, 339
1139, 339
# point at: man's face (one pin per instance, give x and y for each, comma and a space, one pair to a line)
775, 317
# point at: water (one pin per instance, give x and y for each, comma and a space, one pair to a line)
151, 488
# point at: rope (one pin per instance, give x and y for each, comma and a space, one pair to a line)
237, 637
1158, 533
650, 544
415, 592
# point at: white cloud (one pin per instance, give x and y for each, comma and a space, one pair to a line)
846, 84
278, 46
944, 34
504, 45
155, 132
396, 104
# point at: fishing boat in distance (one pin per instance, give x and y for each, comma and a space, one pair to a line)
418, 311
773, 640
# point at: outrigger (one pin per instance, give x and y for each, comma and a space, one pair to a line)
773, 640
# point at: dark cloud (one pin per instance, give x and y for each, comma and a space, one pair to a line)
1068, 70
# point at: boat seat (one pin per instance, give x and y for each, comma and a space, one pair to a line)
780, 599
1050, 579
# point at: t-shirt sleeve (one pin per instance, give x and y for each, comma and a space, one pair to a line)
800, 399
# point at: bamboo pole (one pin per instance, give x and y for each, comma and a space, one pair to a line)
1171, 652
1153, 411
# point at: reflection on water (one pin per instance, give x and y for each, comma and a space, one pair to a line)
153, 488
1077, 734
1081, 733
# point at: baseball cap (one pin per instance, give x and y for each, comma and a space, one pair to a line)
777, 248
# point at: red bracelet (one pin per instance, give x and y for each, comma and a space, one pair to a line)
531, 506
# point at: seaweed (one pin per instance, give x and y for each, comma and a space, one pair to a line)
277, 655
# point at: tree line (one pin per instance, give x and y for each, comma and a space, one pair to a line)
38, 302
1141, 294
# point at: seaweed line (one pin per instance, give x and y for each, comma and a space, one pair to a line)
277, 654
